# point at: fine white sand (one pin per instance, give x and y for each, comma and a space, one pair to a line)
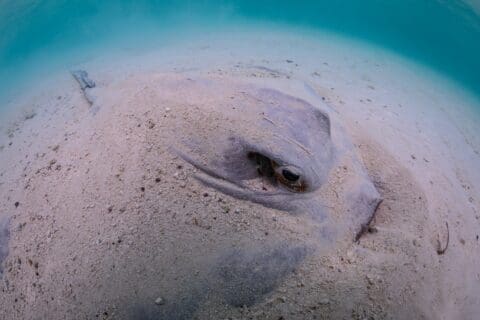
87, 240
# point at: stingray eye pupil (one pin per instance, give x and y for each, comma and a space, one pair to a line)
290, 176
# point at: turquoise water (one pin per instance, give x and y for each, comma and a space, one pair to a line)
439, 33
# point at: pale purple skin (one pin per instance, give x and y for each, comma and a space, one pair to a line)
296, 135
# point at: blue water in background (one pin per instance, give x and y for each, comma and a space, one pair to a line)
442, 34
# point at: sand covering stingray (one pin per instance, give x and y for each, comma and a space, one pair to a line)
214, 197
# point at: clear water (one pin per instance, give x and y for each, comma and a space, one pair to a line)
41, 34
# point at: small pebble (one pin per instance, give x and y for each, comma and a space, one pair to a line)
159, 301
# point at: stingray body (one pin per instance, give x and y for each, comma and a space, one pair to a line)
264, 146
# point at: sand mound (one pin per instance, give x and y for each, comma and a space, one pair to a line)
108, 222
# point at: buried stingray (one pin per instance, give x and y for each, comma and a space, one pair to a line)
277, 150
257, 145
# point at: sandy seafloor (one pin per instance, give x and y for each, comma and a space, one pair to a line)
95, 234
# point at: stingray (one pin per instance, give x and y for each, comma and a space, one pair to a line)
264, 146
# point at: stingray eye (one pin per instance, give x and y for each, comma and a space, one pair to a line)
290, 176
